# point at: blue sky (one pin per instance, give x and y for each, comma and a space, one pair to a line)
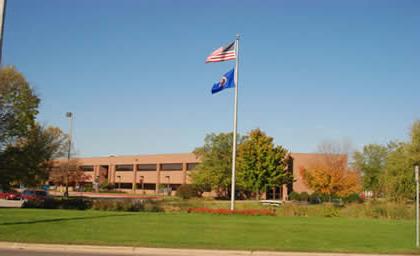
133, 71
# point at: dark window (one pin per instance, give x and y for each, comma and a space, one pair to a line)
124, 185
171, 167
146, 167
191, 166
147, 186
124, 167
174, 187
86, 168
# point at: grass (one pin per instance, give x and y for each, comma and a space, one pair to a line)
181, 230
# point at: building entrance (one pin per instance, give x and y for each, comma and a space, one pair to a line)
274, 193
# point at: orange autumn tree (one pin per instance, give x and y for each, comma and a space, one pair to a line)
330, 175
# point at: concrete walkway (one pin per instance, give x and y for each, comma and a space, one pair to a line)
11, 203
119, 250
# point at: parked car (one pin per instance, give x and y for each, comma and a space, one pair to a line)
34, 194
10, 195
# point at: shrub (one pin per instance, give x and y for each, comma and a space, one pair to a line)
35, 204
322, 210
88, 187
250, 212
106, 186
59, 203
315, 198
353, 198
126, 205
187, 191
294, 196
152, 206
76, 203
304, 196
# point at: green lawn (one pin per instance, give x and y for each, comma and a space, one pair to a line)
182, 230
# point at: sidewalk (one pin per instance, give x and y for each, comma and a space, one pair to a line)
161, 251
10, 203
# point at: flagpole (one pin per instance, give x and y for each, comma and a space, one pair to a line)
235, 125
2, 17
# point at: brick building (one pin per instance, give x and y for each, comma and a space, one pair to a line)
149, 173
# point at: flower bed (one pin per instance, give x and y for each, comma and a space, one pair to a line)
250, 212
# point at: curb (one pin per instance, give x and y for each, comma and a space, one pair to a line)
144, 251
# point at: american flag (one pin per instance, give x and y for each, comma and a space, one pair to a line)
223, 53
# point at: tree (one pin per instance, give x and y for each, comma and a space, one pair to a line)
330, 174
371, 163
398, 178
29, 161
215, 170
399, 175
70, 168
262, 163
18, 106
414, 146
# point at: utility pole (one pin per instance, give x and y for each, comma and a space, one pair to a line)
69, 116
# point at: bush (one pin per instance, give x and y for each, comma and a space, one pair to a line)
59, 203
88, 187
304, 196
315, 198
187, 191
294, 196
126, 205
152, 206
106, 186
250, 212
353, 198
76, 203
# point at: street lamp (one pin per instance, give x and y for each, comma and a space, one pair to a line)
69, 116
142, 184
119, 181
167, 187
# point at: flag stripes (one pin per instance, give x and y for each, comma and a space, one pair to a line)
223, 54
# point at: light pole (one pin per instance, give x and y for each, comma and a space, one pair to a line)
416, 172
69, 116
142, 183
167, 185
119, 182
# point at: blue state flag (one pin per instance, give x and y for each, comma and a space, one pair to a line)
227, 81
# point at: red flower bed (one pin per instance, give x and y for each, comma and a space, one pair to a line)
250, 212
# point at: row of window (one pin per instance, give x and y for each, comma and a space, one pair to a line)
145, 167
145, 186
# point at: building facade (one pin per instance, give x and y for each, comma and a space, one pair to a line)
150, 174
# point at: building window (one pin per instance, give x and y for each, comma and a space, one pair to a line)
124, 185
191, 166
124, 167
146, 167
171, 167
147, 186
86, 168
